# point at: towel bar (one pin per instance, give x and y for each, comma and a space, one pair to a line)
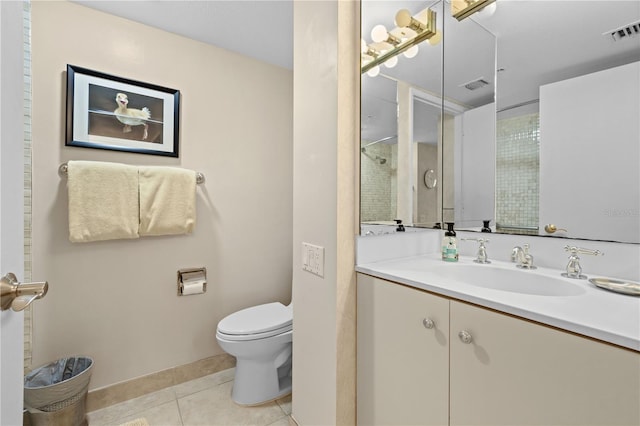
62, 171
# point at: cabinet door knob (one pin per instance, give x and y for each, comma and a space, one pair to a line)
428, 323
465, 336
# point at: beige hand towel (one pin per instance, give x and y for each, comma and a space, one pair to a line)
103, 201
167, 200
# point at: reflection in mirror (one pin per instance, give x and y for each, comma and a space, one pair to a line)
566, 132
406, 118
401, 122
469, 159
518, 169
562, 149
426, 155
378, 150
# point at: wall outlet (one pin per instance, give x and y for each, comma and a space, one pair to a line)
313, 259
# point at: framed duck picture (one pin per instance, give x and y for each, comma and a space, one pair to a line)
109, 112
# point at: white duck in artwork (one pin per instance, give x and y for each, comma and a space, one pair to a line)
131, 116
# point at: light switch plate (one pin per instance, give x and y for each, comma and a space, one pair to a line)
313, 259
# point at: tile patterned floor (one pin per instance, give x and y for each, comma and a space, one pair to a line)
204, 401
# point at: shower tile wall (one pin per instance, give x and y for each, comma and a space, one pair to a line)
517, 171
378, 184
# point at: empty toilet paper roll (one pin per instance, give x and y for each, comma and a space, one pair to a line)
192, 281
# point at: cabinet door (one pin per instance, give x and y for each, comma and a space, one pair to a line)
516, 372
403, 366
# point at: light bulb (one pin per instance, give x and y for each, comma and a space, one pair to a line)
436, 38
373, 71
489, 10
379, 33
391, 62
411, 52
403, 18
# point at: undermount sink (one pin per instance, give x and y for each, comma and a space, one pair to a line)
511, 280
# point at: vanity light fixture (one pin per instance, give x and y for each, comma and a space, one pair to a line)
386, 45
461, 9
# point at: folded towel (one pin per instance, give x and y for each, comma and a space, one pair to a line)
103, 201
167, 200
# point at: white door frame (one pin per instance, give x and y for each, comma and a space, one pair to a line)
11, 205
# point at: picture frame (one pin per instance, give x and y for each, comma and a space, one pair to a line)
116, 113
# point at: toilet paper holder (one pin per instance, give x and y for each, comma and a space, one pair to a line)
192, 281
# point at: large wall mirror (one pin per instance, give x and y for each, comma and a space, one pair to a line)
525, 114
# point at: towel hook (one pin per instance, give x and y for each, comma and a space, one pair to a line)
63, 169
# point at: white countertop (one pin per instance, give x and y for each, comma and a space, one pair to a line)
590, 311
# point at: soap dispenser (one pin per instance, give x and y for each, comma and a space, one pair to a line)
450, 245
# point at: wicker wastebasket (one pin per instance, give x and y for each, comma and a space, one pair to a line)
56, 393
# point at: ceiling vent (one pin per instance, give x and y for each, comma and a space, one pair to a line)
623, 33
475, 84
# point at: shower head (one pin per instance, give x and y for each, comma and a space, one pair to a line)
378, 158
381, 160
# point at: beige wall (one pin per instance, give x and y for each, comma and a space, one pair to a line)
326, 117
116, 300
426, 155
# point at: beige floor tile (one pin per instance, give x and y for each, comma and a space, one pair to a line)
125, 391
214, 406
166, 414
285, 404
285, 421
203, 383
110, 415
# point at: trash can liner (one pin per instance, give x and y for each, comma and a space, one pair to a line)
57, 381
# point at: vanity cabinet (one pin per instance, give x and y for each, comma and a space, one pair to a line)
403, 355
519, 372
481, 367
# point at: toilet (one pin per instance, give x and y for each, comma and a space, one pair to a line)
260, 338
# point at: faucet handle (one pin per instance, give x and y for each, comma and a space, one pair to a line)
575, 250
574, 269
480, 240
482, 250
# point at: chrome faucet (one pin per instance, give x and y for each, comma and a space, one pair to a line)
522, 256
574, 270
482, 250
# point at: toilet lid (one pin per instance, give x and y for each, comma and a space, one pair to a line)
257, 319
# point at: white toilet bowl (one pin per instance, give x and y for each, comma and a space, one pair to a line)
260, 338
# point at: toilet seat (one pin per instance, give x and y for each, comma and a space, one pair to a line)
256, 322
